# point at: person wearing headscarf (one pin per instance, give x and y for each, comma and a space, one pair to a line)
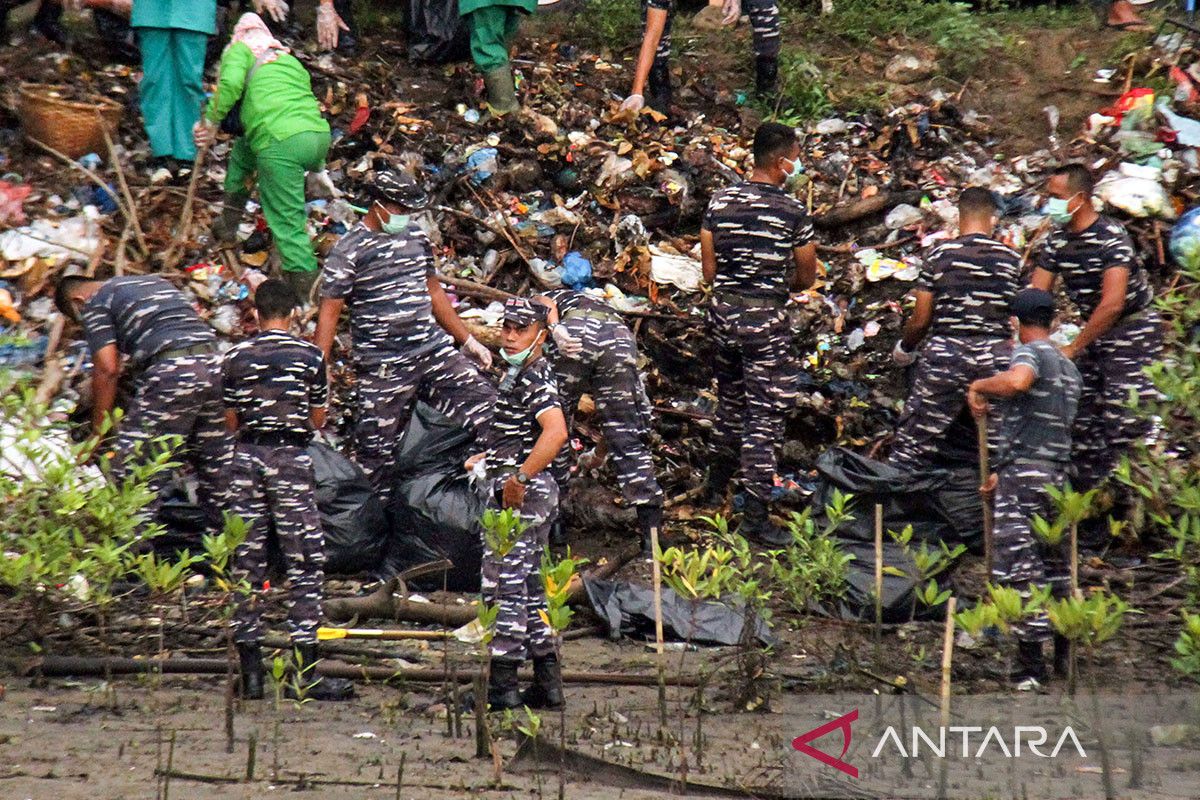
281, 136
173, 35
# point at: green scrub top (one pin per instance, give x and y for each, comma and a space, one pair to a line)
278, 104
184, 15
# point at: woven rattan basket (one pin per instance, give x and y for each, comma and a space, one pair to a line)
69, 126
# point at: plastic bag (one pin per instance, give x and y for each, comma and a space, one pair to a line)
352, 517
1185, 240
628, 610
436, 33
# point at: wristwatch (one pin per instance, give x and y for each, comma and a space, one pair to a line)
522, 478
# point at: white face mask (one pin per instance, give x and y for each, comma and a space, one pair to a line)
795, 172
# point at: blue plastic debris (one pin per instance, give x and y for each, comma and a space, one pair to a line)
482, 164
577, 271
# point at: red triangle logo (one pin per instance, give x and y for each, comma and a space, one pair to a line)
842, 723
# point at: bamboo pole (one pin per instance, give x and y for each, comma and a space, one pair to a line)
947, 661
981, 431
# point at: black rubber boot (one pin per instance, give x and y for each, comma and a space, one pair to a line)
502, 684
722, 464
347, 40
658, 89
766, 77
46, 22
546, 690
302, 282
1031, 665
757, 527
1062, 655
250, 659
558, 531
650, 517
317, 687
225, 225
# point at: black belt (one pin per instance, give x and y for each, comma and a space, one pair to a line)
183, 352
275, 438
746, 301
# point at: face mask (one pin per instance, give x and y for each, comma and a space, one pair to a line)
395, 223
517, 359
1057, 209
796, 171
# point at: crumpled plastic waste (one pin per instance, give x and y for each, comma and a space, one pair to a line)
576, 271
482, 164
549, 274
1185, 240
1187, 130
682, 271
1137, 191
74, 238
903, 216
12, 197
879, 267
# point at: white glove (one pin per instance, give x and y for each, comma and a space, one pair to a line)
276, 9
475, 351
203, 133
731, 10
634, 102
328, 25
568, 345
902, 357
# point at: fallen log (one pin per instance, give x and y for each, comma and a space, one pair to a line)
861, 209
383, 603
61, 666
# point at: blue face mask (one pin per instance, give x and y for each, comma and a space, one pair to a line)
796, 171
395, 223
1058, 209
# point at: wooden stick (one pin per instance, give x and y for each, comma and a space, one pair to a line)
878, 570
185, 217
947, 660
981, 430
129, 204
326, 634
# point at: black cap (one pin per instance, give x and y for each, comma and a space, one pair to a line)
394, 186
523, 312
1033, 305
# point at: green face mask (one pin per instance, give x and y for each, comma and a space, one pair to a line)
517, 359
795, 172
1058, 209
395, 223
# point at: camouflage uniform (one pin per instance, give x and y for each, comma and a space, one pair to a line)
973, 280
398, 347
515, 580
173, 359
1036, 450
273, 382
607, 368
755, 228
764, 26
1112, 366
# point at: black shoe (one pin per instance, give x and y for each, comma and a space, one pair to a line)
757, 527
722, 464
558, 532
316, 687
250, 658
658, 94
766, 77
650, 517
502, 684
1030, 671
46, 22
1062, 655
546, 690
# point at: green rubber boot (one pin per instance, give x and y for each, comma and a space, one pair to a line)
501, 91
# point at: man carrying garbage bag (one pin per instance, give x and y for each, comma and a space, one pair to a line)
283, 135
403, 328
275, 389
1123, 333
1039, 395
529, 430
493, 25
595, 352
172, 355
962, 301
652, 74
756, 245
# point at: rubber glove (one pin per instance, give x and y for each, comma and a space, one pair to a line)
902, 357
328, 25
568, 345
475, 351
731, 10
275, 9
203, 133
635, 102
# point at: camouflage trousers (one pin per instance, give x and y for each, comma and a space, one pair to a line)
946, 368
388, 390
1112, 370
273, 489
764, 26
179, 397
1019, 558
756, 374
607, 369
514, 580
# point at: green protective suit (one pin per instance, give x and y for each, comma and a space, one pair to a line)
172, 35
285, 137
493, 24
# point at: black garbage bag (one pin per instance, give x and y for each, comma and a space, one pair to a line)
435, 512
939, 504
628, 610
353, 519
899, 598
436, 33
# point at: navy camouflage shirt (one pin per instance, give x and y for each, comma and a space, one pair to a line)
143, 315
515, 428
755, 227
1083, 258
569, 300
1037, 424
273, 382
382, 277
973, 280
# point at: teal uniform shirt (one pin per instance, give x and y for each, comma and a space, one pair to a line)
183, 15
